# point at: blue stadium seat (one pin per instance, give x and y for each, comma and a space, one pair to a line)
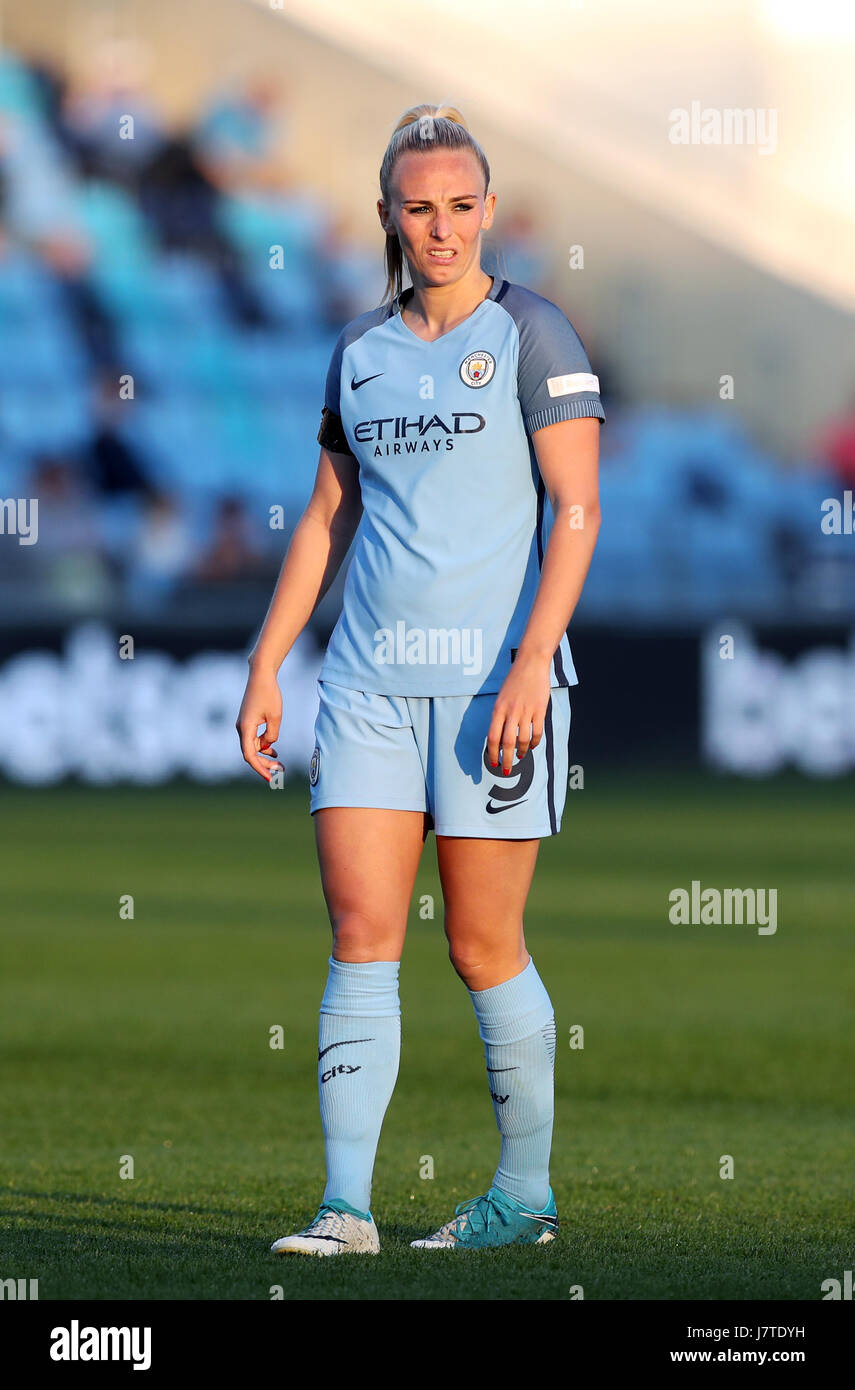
114, 223
19, 91
14, 471
39, 355
289, 295
174, 293
28, 293
56, 417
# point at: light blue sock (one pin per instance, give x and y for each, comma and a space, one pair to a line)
359, 1048
516, 1023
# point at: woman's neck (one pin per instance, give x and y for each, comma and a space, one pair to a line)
434, 310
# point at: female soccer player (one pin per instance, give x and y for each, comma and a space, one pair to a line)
451, 412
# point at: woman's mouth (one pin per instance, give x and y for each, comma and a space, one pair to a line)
442, 255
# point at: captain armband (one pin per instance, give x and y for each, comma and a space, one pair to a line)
331, 434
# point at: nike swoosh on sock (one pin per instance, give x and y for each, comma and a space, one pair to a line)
345, 1042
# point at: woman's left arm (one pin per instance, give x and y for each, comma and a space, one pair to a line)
568, 457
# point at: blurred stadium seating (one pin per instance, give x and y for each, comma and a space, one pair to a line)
162, 273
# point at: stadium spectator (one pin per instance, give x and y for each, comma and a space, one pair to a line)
184, 207
38, 209
240, 139
38, 197
353, 280
523, 256
837, 447
94, 114
233, 552
67, 567
114, 467
161, 554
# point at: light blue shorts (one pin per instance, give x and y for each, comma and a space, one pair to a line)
429, 753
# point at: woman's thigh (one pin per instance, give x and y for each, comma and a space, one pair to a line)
368, 859
485, 884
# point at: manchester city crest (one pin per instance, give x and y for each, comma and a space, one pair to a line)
477, 369
315, 767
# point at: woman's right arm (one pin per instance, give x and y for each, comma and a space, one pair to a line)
318, 546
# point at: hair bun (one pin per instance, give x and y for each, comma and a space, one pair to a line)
432, 113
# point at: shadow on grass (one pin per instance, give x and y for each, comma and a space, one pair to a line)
390, 1233
92, 1199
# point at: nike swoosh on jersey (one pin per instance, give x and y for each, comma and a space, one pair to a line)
355, 385
494, 810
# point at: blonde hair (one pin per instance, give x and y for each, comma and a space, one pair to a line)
422, 128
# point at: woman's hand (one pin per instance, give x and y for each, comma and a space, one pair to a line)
520, 706
261, 704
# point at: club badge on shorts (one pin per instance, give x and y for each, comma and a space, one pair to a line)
315, 767
477, 369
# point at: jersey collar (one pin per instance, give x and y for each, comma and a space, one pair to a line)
402, 300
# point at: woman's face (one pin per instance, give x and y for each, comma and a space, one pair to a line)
438, 211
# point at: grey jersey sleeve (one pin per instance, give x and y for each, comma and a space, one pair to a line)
332, 390
554, 377
331, 434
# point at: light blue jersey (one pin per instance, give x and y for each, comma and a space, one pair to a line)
449, 550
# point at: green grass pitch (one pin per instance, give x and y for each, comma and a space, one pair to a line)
150, 1038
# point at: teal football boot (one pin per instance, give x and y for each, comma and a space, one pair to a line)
493, 1220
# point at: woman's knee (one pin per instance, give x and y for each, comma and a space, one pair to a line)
480, 966
358, 937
